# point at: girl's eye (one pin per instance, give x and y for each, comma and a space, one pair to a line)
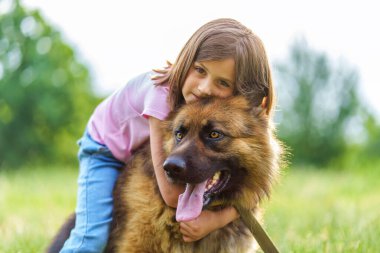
224, 83
215, 135
200, 70
178, 135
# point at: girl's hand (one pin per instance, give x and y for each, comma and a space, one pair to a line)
198, 228
207, 222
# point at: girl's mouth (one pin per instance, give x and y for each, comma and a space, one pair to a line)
195, 96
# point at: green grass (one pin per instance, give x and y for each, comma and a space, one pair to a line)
310, 210
33, 204
326, 211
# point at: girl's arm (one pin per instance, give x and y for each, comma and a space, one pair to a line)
169, 191
207, 222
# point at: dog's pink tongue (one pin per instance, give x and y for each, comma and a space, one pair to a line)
190, 202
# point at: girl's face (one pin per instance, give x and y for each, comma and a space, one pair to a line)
209, 78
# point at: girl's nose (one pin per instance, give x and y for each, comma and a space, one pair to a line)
205, 88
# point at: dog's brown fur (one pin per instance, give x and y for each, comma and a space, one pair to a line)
142, 221
247, 150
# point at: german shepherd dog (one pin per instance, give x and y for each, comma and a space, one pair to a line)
225, 151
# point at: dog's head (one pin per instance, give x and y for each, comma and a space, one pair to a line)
223, 150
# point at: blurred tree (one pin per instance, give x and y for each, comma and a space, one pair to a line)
319, 105
371, 150
45, 95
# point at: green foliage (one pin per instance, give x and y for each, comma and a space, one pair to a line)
45, 95
372, 148
367, 152
319, 106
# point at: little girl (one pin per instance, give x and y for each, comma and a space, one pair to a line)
223, 58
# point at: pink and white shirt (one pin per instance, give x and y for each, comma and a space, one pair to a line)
121, 121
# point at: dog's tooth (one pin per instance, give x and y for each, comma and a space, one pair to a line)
213, 181
216, 176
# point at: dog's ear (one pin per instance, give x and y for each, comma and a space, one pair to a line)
254, 108
260, 110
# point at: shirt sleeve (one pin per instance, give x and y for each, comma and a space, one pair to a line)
156, 102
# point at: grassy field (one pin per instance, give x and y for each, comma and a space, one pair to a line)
310, 211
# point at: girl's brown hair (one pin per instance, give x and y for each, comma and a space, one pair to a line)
218, 40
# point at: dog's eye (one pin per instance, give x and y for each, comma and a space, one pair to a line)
178, 135
215, 135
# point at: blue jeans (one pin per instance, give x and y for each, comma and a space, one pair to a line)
99, 170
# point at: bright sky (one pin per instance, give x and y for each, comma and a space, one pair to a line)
119, 39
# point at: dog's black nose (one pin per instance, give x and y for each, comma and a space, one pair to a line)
175, 166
